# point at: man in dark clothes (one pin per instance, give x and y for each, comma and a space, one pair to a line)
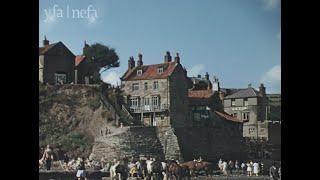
48, 157
273, 172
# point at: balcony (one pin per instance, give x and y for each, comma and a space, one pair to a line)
149, 108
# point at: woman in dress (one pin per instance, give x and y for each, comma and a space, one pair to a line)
249, 168
256, 168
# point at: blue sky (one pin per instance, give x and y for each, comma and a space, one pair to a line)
236, 40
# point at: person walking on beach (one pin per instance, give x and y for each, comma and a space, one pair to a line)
273, 172
231, 166
249, 168
48, 157
236, 166
243, 167
256, 168
81, 174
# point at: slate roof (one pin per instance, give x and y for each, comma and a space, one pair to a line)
244, 93
229, 91
43, 50
150, 72
228, 117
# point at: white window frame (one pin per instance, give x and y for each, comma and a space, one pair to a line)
160, 70
135, 87
155, 101
145, 86
60, 76
134, 102
139, 72
245, 116
233, 102
146, 101
155, 85
246, 102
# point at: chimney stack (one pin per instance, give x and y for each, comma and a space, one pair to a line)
139, 62
177, 58
45, 41
262, 90
131, 63
167, 57
249, 85
207, 76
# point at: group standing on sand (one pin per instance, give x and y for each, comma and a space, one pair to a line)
249, 168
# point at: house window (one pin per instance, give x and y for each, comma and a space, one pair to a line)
245, 116
196, 116
235, 114
135, 86
233, 102
155, 85
251, 130
134, 102
160, 70
162, 117
146, 101
145, 86
246, 102
139, 72
155, 101
60, 78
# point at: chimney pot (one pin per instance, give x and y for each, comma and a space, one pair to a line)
177, 58
131, 63
45, 41
167, 57
139, 62
207, 76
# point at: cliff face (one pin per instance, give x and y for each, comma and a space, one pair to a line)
71, 116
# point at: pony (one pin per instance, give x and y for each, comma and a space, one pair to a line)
199, 166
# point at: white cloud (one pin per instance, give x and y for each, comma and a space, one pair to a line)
111, 76
196, 69
272, 79
271, 4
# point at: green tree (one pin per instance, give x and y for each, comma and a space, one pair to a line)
101, 58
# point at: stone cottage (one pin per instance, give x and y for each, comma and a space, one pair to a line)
56, 63
251, 106
157, 94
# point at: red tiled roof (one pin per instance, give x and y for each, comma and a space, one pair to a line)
226, 116
200, 93
43, 50
150, 72
79, 59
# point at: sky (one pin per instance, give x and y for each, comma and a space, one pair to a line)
238, 41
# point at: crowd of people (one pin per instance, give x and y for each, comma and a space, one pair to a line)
61, 161
249, 168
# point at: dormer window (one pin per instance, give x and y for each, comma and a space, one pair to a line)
160, 70
139, 72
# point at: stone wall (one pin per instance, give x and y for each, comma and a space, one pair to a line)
129, 141
170, 143
211, 143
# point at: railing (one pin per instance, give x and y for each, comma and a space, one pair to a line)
148, 108
126, 111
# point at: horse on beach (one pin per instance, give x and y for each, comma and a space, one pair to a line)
199, 166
